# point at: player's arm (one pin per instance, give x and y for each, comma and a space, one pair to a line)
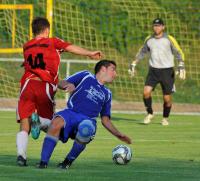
82, 51
177, 51
106, 122
62, 46
70, 83
67, 86
139, 56
142, 51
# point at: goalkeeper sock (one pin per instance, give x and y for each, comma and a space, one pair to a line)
48, 147
148, 105
77, 148
166, 110
22, 142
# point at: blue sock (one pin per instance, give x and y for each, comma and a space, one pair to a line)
77, 148
48, 147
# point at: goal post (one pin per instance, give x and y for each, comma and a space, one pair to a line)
50, 15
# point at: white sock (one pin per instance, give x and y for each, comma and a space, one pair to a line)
22, 142
45, 123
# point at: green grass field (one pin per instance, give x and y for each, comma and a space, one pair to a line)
159, 153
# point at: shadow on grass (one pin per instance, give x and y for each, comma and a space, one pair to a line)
114, 118
154, 123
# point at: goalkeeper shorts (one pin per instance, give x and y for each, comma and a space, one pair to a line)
165, 77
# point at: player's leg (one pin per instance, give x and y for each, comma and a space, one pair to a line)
166, 109
75, 151
25, 108
50, 140
151, 81
45, 108
148, 99
85, 133
22, 141
167, 84
148, 104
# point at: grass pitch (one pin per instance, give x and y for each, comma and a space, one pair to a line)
159, 153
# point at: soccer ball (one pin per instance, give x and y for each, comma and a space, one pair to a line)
121, 154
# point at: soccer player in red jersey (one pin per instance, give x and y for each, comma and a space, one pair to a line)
39, 82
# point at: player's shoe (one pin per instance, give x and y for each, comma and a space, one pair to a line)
165, 122
35, 126
65, 164
148, 118
42, 165
21, 161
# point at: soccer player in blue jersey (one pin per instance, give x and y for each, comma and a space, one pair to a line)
89, 98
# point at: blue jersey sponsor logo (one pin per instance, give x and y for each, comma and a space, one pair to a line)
93, 94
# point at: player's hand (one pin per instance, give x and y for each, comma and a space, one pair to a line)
181, 71
131, 69
69, 87
125, 138
96, 55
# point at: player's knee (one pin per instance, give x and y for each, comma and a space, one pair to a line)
167, 104
167, 100
86, 131
147, 93
56, 124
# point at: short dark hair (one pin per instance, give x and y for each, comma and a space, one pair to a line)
39, 24
105, 63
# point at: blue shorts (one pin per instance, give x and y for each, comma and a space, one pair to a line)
72, 120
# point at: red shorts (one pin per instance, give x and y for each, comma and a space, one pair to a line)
36, 96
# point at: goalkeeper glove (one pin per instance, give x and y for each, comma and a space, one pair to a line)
181, 71
131, 69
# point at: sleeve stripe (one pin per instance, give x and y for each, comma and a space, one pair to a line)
177, 47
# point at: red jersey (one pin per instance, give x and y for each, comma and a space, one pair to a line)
42, 59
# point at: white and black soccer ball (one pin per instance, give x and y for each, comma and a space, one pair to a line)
121, 154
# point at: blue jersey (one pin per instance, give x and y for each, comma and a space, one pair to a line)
90, 97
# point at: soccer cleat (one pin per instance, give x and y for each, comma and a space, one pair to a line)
65, 164
35, 126
164, 122
21, 161
42, 165
148, 119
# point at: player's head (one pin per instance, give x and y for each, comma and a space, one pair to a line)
40, 25
105, 71
158, 26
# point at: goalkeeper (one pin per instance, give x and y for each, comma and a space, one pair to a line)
162, 48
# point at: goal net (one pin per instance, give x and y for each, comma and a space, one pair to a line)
117, 28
